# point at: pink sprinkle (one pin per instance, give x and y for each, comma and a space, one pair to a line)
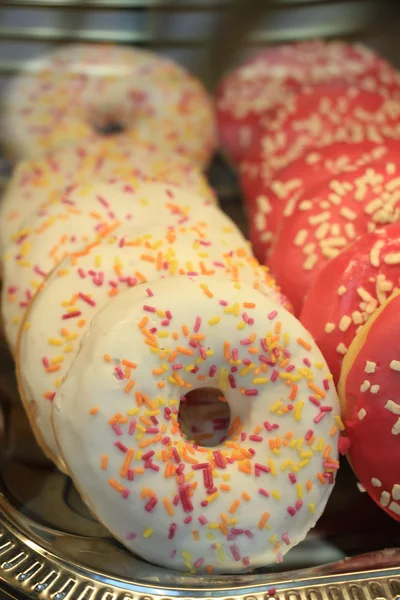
132, 427
208, 478
117, 429
203, 520
262, 468
264, 345
235, 354
149, 292
154, 467
180, 468
290, 368
299, 504
103, 201
255, 438
39, 271
223, 303
72, 315
272, 314
148, 308
268, 426
326, 384
166, 440
329, 465
202, 351
87, 299
45, 362
176, 455
246, 561
236, 531
99, 279
200, 466
121, 243
329, 477
274, 375
292, 477
197, 324
177, 366
285, 538
131, 474
291, 511
188, 520
243, 436
219, 459
193, 343
172, 530
151, 504
314, 400
251, 393
165, 322
212, 371
235, 552
153, 420
175, 501
308, 435
12, 289
319, 417
232, 381
307, 362
185, 498
272, 591
121, 446
125, 493
263, 492
51, 396
326, 408
249, 534
245, 342
204, 503
153, 330
168, 314
199, 562
247, 362
148, 455
119, 372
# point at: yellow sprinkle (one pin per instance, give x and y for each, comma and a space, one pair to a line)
213, 526
339, 423
275, 494
220, 552
321, 444
57, 359
303, 463
68, 348
311, 506
148, 533
272, 466
162, 334
298, 410
276, 406
306, 454
210, 536
214, 320
189, 368
55, 341
212, 497
97, 261
260, 380
299, 489
133, 411
241, 325
272, 539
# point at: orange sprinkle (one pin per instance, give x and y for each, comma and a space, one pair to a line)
321, 478
223, 528
128, 363
173, 356
81, 323
246, 496
158, 371
293, 392
161, 384
253, 350
53, 368
316, 389
185, 330
224, 487
168, 507
333, 431
145, 421
129, 386
139, 470
308, 485
284, 363
113, 292
175, 335
209, 569
139, 398
94, 410
104, 462
140, 276
276, 547
227, 350
195, 534
117, 486
127, 462
183, 350
143, 322
327, 451
153, 440
303, 343
235, 505
263, 520
197, 336
249, 305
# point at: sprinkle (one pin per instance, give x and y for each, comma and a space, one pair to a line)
303, 343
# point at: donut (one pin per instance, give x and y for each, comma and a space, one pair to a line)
36, 181
85, 281
78, 92
325, 221
233, 507
267, 202
88, 212
248, 96
360, 279
369, 393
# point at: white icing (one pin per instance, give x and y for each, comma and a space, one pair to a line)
118, 333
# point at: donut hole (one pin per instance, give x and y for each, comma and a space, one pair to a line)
204, 416
109, 127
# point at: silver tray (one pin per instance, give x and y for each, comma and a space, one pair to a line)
51, 547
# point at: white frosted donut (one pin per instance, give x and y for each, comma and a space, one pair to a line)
84, 282
37, 181
75, 92
92, 211
233, 507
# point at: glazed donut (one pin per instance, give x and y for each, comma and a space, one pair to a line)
267, 203
369, 392
229, 508
324, 221
78, 91
360, 280
37, 181
85, 281
88, 212
248, 96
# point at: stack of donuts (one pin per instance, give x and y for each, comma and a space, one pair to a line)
157, 360
313, 130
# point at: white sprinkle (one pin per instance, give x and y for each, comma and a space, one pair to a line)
357, 317
361, 488
394, 507
341, 290
392, 258
263, 204
301, 237
374, 253
374, 389
385, 498
393, 184
305, 205
393, 407
364, 387
362, 413
364, 295
329, 327
320, 218
395, 365
347, 213
370, 367
350, 231
344, 323
396, 491
376, 482
341, 348
310, 261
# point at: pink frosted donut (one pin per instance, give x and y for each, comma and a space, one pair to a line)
268, 202
360, 280
325, 221
78, 91
252, 91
